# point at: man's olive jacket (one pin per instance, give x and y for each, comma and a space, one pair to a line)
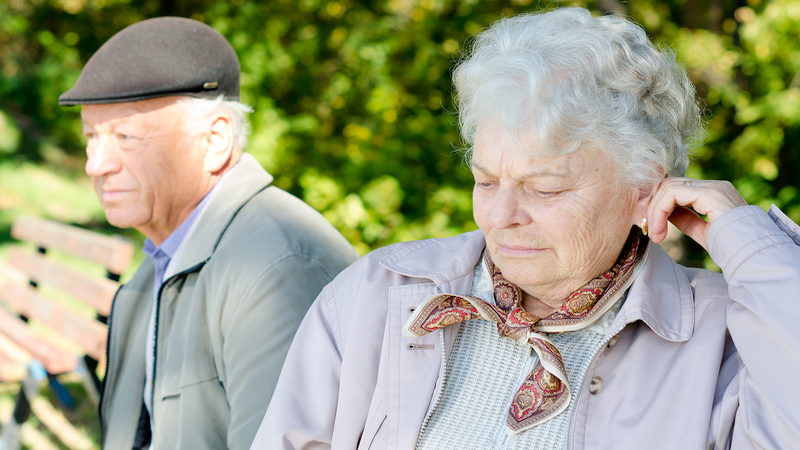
253, 265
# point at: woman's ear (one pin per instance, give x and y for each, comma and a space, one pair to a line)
220, 144
645, 196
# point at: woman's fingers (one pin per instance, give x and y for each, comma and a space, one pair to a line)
663, 203
675, 195
690, 223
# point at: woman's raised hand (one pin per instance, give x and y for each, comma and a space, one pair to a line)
674, 197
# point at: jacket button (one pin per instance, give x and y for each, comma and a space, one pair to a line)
596, 385
611, 342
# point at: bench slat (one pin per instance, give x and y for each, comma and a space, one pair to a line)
90, 334
13, 360
112, 252
96, 292
11, 370
14, 351
53, 359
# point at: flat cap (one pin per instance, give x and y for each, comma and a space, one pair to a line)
157, 58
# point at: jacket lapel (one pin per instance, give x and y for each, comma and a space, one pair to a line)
438, 260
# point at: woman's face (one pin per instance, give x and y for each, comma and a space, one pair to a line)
552, 223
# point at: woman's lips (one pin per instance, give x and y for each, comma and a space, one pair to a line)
518, 251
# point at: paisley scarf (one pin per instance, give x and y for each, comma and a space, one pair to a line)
545, 393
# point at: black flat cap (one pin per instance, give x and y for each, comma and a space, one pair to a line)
157, 58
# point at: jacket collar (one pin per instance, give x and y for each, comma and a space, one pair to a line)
661, 295
439, 260
246, 179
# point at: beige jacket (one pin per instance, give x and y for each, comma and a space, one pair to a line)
253, 265
694, 360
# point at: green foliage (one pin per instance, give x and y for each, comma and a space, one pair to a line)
747, 72
352, 99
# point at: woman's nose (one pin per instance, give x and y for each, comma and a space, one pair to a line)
508, 208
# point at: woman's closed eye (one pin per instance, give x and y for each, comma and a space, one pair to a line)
544, 193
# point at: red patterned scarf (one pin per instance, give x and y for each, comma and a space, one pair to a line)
545, 393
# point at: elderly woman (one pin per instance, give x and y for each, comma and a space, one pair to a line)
561, 323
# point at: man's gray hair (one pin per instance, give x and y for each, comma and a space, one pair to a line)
199, 110
572, 79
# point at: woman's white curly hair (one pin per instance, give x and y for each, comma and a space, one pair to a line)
573, 80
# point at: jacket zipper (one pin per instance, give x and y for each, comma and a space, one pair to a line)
439, 389
155, 345
155, 361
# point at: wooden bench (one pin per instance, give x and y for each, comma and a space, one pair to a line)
30, 357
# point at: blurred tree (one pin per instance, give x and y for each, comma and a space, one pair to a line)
352, 99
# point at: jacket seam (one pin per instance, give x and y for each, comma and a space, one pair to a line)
647, 318
288, 239
269, 267
748, 214
410, 247
333, 318
757, 250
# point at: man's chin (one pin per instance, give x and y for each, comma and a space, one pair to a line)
122, 220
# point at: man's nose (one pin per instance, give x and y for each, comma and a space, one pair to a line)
103, 157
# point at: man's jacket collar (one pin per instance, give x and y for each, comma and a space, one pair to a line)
661, 295
246, 179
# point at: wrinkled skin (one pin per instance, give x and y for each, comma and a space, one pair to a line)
148, 171
554, 222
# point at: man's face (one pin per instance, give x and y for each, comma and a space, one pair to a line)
146, 169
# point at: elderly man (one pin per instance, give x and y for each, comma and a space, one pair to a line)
198, 336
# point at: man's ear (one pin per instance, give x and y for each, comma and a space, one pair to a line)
220, 144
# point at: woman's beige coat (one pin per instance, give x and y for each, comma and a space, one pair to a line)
696, 360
